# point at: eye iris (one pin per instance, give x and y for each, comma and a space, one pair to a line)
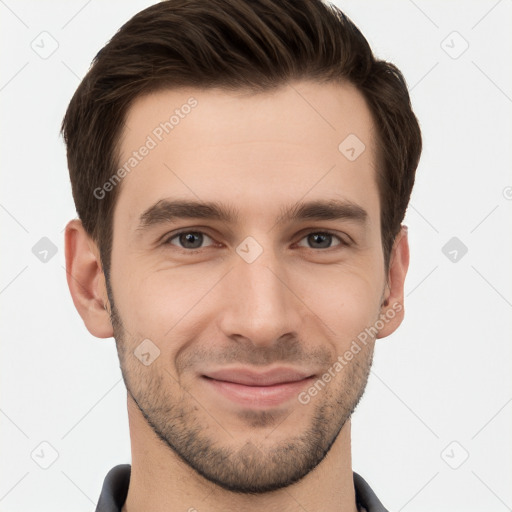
194, 240
320, 237
186, 238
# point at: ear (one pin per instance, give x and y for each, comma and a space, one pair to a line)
392, 311
86, 280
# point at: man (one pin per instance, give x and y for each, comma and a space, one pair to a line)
240, 170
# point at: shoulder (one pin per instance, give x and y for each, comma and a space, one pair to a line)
365, 496
115, 488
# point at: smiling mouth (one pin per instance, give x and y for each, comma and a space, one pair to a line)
249, 377
258, 390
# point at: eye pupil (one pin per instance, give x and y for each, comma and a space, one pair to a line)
320, 237
194, 240
186, 238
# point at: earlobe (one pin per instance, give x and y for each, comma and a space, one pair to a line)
86, 280
392, 311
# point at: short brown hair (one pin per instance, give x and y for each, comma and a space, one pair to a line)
233, 44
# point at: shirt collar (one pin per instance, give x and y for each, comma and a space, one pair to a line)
115, 490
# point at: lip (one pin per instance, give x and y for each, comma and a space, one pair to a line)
247, 377
257, 389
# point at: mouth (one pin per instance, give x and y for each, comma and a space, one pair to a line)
257, 389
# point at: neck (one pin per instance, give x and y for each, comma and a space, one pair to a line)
160, 481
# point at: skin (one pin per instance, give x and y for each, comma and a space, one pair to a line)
299, 304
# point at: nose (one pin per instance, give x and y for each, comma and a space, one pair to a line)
259, 303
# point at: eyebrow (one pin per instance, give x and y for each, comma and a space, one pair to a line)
165, 211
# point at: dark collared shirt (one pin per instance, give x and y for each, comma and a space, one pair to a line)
115, 490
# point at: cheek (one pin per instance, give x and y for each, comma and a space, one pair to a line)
162, 302
154, 302
344, 297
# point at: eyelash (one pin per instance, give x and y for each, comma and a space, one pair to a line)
167, 241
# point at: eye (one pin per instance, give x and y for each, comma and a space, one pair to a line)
190, 240
322, 240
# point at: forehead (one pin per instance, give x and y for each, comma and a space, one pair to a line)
255, 150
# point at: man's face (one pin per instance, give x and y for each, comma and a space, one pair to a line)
236, 305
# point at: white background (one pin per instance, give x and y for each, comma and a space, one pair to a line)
444, 376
